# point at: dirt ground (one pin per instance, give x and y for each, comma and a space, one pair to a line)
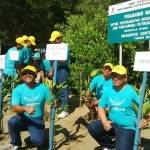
71, 132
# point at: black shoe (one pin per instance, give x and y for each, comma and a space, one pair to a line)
28, 142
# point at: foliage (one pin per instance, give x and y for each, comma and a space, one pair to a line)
31, 17
55, 89
8, 84
146, 103
86, 33
84, 25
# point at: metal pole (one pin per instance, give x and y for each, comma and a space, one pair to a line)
52, 113
137, 133
120, 54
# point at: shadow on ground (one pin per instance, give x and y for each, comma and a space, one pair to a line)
70, 136
74, 102
67, 137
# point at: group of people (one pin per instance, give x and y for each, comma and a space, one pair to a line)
116, 126
23, 47
29, 55
29, 97
117, 121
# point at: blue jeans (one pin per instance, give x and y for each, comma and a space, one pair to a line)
124, 138
62, 76
35, 127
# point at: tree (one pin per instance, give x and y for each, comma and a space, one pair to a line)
31, 17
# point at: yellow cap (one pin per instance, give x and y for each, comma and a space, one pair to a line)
19, 40
25, 37
32, 39
54, 36
30, 68
119, 69
109, 65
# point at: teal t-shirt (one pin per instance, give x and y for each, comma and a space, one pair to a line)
99, 84
26, 55
36, 55
120, 104
10, 69
24, 96
46, 66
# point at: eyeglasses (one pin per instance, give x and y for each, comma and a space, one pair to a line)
117, 76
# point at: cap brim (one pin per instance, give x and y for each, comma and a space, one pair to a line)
33, 43
52, 39
120, 73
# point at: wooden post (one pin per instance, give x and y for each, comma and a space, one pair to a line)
1, 103
80, 87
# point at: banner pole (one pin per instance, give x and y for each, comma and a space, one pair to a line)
52, 113
142, 95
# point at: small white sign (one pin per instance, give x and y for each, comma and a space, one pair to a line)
2, 61
56, 51
142, 61
14, 55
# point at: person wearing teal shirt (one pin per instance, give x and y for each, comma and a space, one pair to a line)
101, 82
122, 118
46, 67
63, 72
26, 51
28, 100
26, 55
11, 66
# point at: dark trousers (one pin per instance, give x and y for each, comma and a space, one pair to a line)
62, 76
35, 127
124, 138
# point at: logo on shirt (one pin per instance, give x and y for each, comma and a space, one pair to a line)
31, 98
117, 104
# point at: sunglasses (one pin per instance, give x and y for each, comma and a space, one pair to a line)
107, 68
29, 73
117, 76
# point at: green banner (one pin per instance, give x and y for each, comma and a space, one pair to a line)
129, 26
